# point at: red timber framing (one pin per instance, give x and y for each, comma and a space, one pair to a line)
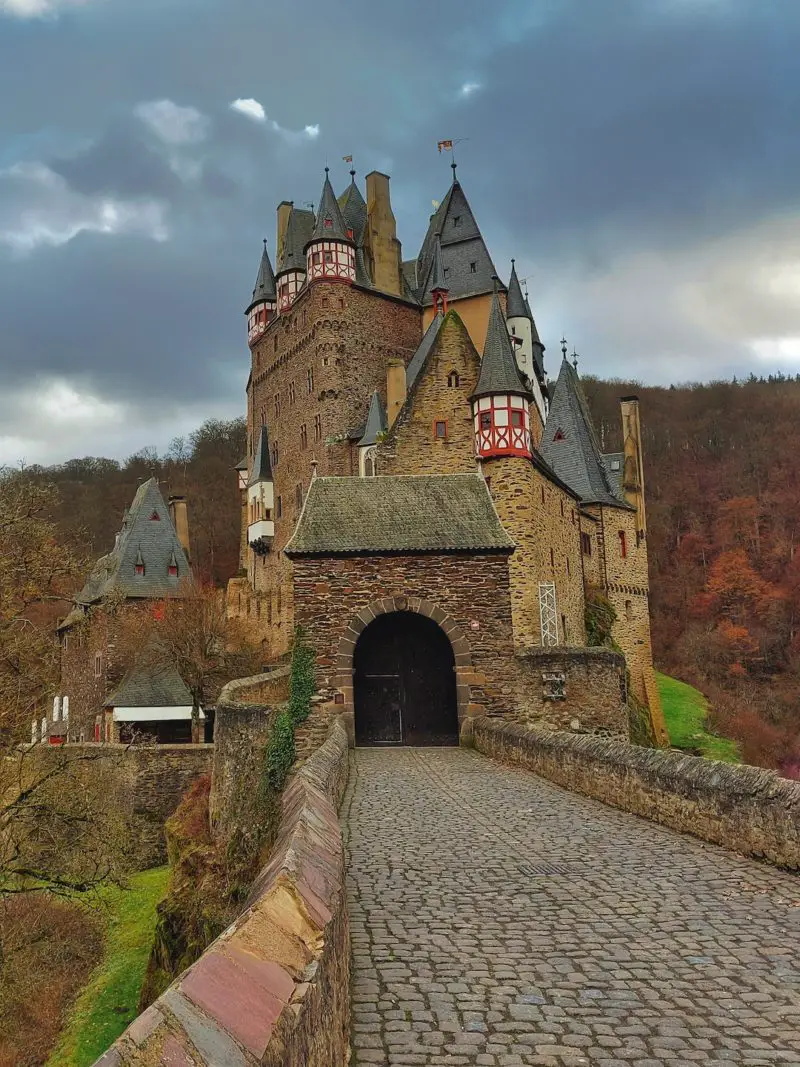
502, 426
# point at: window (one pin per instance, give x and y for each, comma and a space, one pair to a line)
473, 268
452, 380
291, 393
155, 517
172, 570
486, 420
564, 627
277, 405
327, 224
559, 435
562, 509
517, 420
275, 455
329, 257
573, 516
263, 416
628, 610
310, 379
552, 558
315, 259
303, 436
317, 427
456, 220
543, 494
275, 344
586, 544
440, 429
325, 301
279, 507
138, 568
615, 464
623, 544
446, 272
98, 664
341, 303
569, 572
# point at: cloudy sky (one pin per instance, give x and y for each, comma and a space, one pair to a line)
640, 158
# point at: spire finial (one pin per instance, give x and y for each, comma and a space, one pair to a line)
574, 358
327, 170
564, 347
453, 166
353, 173
265, 244
513, 261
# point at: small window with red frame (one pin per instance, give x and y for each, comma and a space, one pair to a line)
486, 420
517, 420
623, 544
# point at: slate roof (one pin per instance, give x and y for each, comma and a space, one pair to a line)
330, 224
376, 422
414, 514
436, 276
516, 305
499, 371
417, 361
299, 227
265, 281
151, 687
462, 245
569, 444
354, 210
153, 540
262, 465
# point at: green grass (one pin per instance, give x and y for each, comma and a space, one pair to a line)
107, 1004
685, 709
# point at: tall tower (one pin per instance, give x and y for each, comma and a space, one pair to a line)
331, 250
501, 400
262, 308
528, 348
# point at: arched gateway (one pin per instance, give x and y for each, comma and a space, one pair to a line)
404, 682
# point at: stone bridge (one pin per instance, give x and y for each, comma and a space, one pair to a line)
498, 919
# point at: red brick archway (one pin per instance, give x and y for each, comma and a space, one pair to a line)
451, 629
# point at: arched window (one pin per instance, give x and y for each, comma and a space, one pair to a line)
453, 380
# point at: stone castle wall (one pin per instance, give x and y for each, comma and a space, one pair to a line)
274, 987
411, 446
542, 519
746, 809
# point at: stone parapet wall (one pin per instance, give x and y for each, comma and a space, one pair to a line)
747, 809
591, 700
273, 989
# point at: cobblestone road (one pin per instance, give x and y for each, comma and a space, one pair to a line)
647, 948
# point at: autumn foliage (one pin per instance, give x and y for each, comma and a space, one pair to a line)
722, 473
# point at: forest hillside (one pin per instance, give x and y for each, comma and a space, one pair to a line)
722, 473
722, 469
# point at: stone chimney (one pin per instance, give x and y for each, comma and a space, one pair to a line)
395, 389
633, 468
284, 211
180, 520
383, 248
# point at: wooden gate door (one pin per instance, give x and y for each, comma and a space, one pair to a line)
405, 685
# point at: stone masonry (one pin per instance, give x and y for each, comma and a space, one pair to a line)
498, 921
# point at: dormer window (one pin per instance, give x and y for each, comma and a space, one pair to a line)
328, 224
559, 435
155, 517
138, 568
456, 220
172, 569
473, 268
452, 380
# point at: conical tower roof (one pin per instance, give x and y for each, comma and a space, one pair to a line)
354, 209
265, 282
569, 443
262, 467
436, 278
499, 371
516, 305
376, 422
330, 224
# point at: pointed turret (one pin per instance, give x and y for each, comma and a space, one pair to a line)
528, 349
291, 267
501, 399
376, 425
354, 209
260, 498
330, 251
569, 444
261, 309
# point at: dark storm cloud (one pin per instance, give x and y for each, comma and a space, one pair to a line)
598, 133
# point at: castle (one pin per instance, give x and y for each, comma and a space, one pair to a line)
419, 496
